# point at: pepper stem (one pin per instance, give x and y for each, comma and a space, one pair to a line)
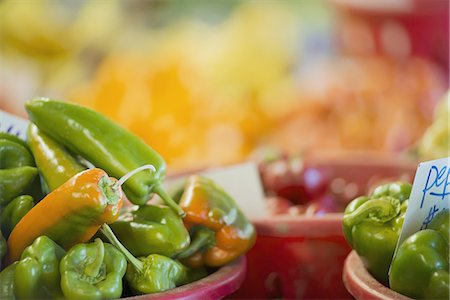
203, 238
380, 210
93, 268
131, 173
158, 189
109, 234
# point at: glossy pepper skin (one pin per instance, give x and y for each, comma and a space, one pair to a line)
209, 206
70, 214
17, 171
92, 271
37, 272
14, 212
151, 229
105, 144
420, 269
56, 165
7, 284
372, 226
151, 274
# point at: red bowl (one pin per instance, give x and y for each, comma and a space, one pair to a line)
217, 285
362, 285
303, 256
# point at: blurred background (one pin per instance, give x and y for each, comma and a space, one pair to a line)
210, 83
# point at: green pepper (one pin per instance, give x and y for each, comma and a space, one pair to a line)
372, 226
55, 163
420, 268
151, 229
37, 272
151, 274
92, 271
7, 285
17, 169
3, 246
14, 212
105, 144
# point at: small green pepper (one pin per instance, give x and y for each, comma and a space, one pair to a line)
151, 274
372, 226
420, 268
14, 212
151, 229
17, 169
105, 144
92, 271
56, 164
7, 285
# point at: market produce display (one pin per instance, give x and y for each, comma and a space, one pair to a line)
60, 244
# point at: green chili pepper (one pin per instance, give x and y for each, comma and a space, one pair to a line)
17, 169
92, 271
151, 274
7, 285
14, 212
3, 246
37, 272
103, 143
55, 163
151, 229
372, 226
420, 268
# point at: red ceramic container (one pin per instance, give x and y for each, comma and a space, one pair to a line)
362, 285
217, 285
302, 257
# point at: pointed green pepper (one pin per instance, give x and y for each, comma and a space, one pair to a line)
55, 163
105, 144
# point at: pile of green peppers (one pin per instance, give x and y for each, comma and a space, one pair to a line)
372, 225
141, 246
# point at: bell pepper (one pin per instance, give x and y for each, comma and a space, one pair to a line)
103, 143
372, 226
420, 269
3, 246
14, 212
37, 274
151, 229
17, 169
55, 164
151, 274
7, 285
92, 271
210, 207
70, 214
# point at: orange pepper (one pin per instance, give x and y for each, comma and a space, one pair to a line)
71, 214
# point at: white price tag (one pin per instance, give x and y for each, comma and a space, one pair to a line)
13, 125
242, 182
430, 194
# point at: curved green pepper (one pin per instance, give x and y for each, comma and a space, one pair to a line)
420, 268
14, 212
37, 272
105, 144
55, 164
151, 229
151, 274
17, 171
372, 226
92, 271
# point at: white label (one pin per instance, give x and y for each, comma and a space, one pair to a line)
430, 194
242, 182
13, 125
